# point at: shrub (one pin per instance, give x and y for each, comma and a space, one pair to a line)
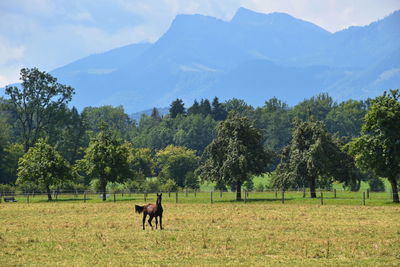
259, 187
169, 186
376, 184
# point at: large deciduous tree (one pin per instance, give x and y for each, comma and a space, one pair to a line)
36, 101
378, 147
311, 156
106, 159
44, 166
235, 154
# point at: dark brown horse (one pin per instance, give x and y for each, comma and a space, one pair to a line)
153, 210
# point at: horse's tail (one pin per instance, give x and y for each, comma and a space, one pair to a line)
139, 209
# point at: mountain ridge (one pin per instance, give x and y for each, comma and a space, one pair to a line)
201, 56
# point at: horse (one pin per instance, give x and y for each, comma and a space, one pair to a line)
153, 210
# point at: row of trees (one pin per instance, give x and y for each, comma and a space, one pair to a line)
313, 143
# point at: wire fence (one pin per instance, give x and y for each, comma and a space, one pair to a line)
332, 197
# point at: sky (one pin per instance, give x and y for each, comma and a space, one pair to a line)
51, 33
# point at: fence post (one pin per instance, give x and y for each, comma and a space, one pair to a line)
84, 197
27, 198
283, 196
211, 197
195, 192
245, 196
276, 193
114, 196
186, 192
364, 198
176, 197
145, 196
304, 192
169, 193
322, 198
0, 197
220, 193
334, 193
368, 193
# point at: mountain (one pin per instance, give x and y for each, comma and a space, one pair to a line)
254, 56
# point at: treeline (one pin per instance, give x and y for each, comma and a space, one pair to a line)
160, 152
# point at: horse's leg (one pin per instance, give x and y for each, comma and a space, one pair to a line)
150, 219
161, 222
144, 219
156, 221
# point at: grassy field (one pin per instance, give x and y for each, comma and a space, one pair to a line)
69, 233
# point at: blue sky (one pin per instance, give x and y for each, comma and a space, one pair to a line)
51, 33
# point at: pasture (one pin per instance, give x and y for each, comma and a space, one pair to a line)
73, 233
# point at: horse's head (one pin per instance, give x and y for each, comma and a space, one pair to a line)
159, 196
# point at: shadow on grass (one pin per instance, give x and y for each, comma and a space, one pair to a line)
255, 200
91, 200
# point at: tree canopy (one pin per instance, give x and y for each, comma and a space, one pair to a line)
177, 107
36, 101
43, 165
378, 147
311, 156
235, 154
177, 163
107, 159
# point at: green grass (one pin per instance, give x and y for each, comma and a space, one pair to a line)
199, 234
270, 197
264, 179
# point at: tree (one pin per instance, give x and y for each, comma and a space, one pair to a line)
217, 110
378, 147
205, 107
71, 138
141, 162
155, 114
175, 163
9, 163
36, 101
106, 159
312, 156
238, 106
275, 121
235, 154
154, 136
177, 107
194, 109
317, 106
346, 118
195, 132
115, 118
44, 166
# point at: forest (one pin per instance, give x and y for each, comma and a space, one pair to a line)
46, 144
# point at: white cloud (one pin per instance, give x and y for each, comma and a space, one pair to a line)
332, 15
10, 53
388, 74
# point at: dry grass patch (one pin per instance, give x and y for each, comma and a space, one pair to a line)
78, 234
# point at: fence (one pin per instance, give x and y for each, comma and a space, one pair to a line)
334, 197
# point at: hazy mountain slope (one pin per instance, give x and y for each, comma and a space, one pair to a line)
254, 56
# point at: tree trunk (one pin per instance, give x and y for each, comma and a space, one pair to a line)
103, 186
312, 188
238, 191
26, 146
48, 193
395, 191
